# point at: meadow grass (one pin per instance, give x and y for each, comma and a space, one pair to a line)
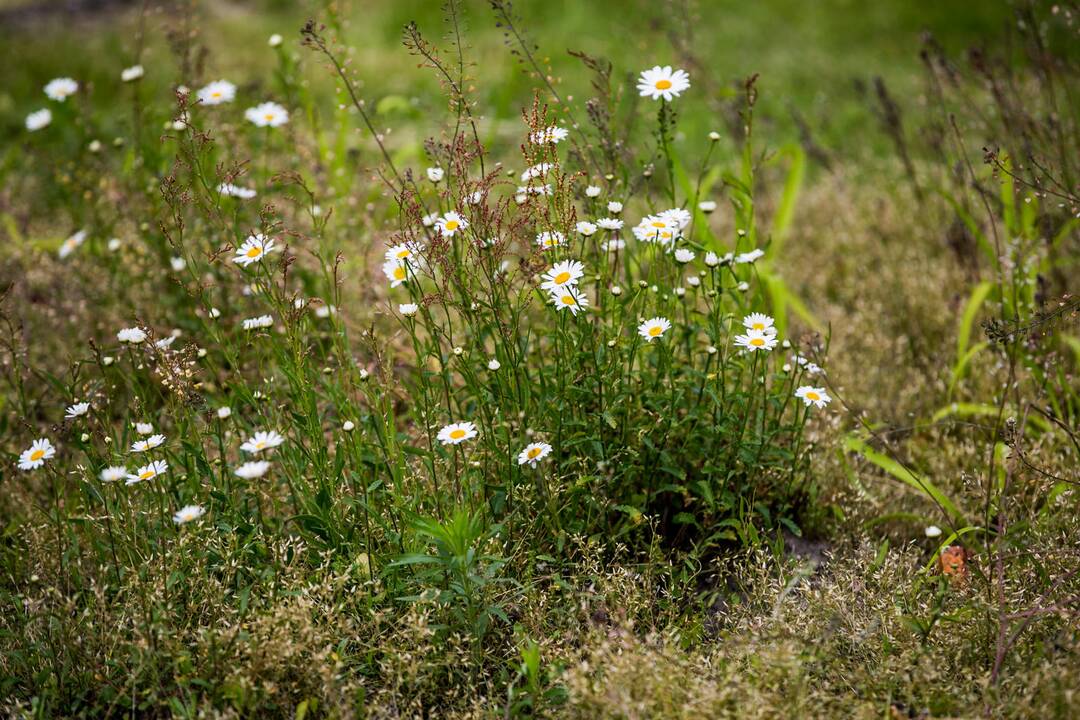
426, 369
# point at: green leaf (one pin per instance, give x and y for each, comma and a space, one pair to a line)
901, 473
967, 319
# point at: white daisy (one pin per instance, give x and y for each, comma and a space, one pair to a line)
40, 451
569, 297
654, 328
61, 88
253, 249
262, 440
216, 93
131, 335
396, 272
756, 340
494, 364
408, 309
69, 245
712, 259
614, 207
187, 514
749, 257
252, 470
536, 171
255, 323
267, 114
585, 228
148, 444
533, 453
707, 206
435, 174
813, 396
684, 255
402, 252
550, 238
144, 428
613, 245
38, 119
224, 412
113, 473
759, 321
932, 531
549, 135
609, 224
561, 274
456, 433
275, 40
663, 82
593, 191
147, 472
450, 223
429, 219
74, 411
236, 191
677, 216
132, 73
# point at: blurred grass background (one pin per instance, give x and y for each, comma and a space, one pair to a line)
812, 57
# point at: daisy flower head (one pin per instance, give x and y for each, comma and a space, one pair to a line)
267, 114
74, 411
712, 259
148, 444
38, 119
609, 224
613, 245
569, 297
813, 396
749, 257
494, 364
216, 93
252, 470
684, 255
456, 433
435, 174
562, 274
533, 453
59, 89
549, 135
614, 207
585, 228
262, 440
132, 73
654, 328
224, 412
147, 472
113, 473
932, 531
654, 228
144, 428
236, 191
408, 309
707, 206
756, 340
133, 335
256, 323
550, 238
663, 82
450, 223
396, 272
678, 217
34, 457
536, 171
760, 321
253, 249
69, 245
403, 252
275, 40
593, 191
187, 514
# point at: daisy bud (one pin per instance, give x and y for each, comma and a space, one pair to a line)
275, 40
224, 412
655, 288
786, 368
364, 374
786, 344
711, 349
707, 206
85, 437
932, 531
680, 292
740, 232
94, 146
611, 343
435, 174
743, 286
616, 290
215, 313
714, 136
107, 360
348, 426
642, 284
458, 350
113, 245
693, 281
494, 364
201, 352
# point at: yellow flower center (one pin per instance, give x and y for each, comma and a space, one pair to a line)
757, 342
663, 84
533, 452
215, 94
399, 273
813, 395
658, 224
655, 330
451, 225
457, 434
146, 474
758, 326
402, 254
255, 251
37, 455
268, 116
260, 445
562, 277
567, 299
